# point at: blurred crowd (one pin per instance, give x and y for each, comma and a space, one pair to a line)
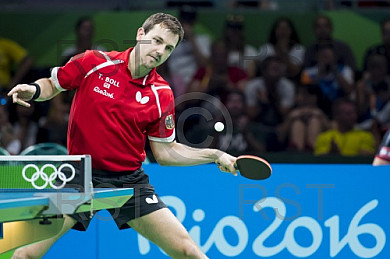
280, 96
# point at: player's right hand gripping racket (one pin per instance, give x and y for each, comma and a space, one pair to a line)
253, 167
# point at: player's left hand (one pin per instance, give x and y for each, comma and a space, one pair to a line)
22, 93
226, 162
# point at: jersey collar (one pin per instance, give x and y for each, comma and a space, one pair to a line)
142, 81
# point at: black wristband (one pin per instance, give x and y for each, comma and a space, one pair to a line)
37, 91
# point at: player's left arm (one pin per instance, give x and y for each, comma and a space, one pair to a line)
177, 154
23, 93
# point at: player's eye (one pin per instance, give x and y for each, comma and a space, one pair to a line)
157, 41
169, 48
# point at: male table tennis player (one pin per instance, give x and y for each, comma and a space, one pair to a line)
119, 101
383, 155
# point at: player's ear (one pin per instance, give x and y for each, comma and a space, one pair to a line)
140, 33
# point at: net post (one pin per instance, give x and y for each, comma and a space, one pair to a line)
88, 185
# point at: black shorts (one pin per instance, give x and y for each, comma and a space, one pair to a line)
143, 202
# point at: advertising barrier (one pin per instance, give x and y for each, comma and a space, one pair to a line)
301, 211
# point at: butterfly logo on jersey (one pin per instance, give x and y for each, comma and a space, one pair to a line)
140, 99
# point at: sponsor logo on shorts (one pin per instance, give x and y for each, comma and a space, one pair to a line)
152, 200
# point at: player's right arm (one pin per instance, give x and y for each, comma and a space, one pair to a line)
22, 93
380, 161
383, 155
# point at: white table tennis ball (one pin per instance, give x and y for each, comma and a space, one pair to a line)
219, 126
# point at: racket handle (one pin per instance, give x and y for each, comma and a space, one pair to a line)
235, 166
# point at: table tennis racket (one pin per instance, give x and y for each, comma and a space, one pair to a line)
253, 167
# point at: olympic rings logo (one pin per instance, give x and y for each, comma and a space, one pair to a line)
40, 173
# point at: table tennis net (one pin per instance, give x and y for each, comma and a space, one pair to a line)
45, 173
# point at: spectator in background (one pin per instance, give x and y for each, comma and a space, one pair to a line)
241, 54
25, 126
8, 139
15, 63
269, 4
217, 78
283, 42
335, 79
269, 100
305, 122
243, 138
270, 97
193, 52
373, 96
331, 5
53, 127
381, 49
323, 29
344, 139
262, 4
84, 30
338, 4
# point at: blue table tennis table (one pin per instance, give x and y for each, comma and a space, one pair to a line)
30, 208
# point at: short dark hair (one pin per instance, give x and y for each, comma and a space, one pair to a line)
167, 21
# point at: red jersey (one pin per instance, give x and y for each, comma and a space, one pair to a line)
112, 113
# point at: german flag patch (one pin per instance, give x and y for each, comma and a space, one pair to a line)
169, 123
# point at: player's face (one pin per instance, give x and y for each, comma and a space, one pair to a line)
156, 46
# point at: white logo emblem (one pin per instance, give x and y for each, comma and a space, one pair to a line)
152, 200
48, 180
141, 99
